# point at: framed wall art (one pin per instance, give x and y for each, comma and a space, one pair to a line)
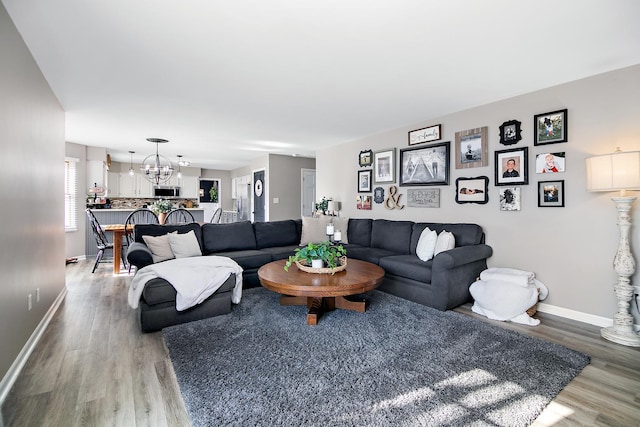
512, 166
510, 199
364, 181
423, 198
550, 162
551, 194
428, 134
363, 202
550, 128
472, 190
384, 166
510, 132
471, 148
365, 158
378, 195
426, 165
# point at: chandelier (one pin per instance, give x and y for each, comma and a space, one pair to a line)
155, 167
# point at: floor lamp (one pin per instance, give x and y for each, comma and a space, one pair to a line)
619, 171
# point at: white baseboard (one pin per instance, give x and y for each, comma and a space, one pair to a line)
12, 374
575, 315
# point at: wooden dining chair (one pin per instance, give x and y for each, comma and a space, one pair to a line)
179, 216
102, 242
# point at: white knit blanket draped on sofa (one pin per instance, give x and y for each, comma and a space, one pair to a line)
195, 279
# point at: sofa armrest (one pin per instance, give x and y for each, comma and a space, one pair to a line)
453, 271
461, 255
139, 255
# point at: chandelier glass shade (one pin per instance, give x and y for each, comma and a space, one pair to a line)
156, 168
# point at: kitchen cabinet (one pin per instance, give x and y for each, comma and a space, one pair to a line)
113, 184
134, 186
189, 187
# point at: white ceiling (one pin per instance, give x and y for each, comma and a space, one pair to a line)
228, 81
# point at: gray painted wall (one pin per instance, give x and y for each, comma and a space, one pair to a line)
285, 181
225, 183
32, 188
571, 249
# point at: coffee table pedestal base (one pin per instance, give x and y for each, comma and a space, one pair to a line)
319, 305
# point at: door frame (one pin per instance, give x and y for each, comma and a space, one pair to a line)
302, 171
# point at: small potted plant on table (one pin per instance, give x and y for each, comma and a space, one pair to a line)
321, 257
161, 208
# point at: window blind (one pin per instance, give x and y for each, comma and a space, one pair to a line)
70, 194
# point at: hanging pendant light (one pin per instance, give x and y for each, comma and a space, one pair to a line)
131, 171
155, 167
179, 166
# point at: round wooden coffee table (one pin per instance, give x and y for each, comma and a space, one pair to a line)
321, 292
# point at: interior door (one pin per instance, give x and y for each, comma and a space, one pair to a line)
259, 191
308, 192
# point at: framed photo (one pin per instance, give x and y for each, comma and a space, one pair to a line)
423, 198
378, 195
364, 181
550, 128
471, 148
428, 134
384, 166
428, 165
363, 202
550, 162
510, 199
511, 166
510, 132
472, 190
365, 158
551, 194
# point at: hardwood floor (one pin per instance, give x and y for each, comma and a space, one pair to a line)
93, 367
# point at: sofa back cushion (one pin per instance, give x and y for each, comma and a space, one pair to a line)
359, 231
235, 236
391, 235
276, 233
160, 230
465, 234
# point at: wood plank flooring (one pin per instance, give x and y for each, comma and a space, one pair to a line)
93, 367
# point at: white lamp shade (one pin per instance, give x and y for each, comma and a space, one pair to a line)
616, 171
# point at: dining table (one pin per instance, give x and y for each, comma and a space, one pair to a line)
118, 231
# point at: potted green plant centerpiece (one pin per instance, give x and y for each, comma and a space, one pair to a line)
331, 258
161, 208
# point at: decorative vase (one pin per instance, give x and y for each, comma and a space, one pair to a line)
161, 217
316, 263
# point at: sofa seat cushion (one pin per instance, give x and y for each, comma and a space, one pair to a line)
407, 266
281, 252
248, 259
371, 255
159, 291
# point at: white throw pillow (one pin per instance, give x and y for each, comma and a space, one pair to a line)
446, 241
314, 230
159, 247
426, 244
184, 245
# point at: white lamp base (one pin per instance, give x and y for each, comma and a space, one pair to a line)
622, 331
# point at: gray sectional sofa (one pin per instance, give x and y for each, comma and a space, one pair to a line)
442, 282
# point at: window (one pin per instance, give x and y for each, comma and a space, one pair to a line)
70, 193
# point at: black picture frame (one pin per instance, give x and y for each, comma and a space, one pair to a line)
504, 174
364, 181
365, 158
425, 165
551, 194
550, 128
510, 132
472, 190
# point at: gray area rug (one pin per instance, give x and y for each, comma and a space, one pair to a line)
398, 364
